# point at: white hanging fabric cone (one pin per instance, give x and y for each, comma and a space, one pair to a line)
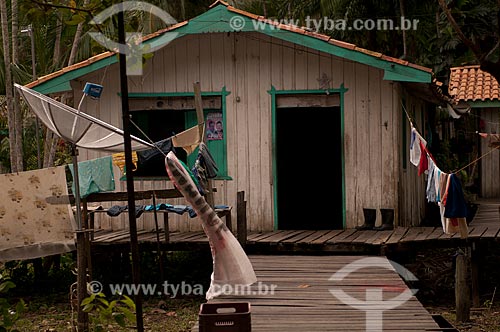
230, 262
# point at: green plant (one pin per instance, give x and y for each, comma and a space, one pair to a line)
119, 310
8, 314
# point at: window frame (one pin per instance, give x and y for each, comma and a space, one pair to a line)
223, 93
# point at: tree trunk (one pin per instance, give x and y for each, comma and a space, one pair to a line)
51, 141
18, 115
8, 85
402, 13
15, 31
57, 43
49, 149
76, 40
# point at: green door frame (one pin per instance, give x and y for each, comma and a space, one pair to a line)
273, 92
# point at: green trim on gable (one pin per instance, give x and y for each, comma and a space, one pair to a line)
217, 19
273, 92
484, 104
62, 82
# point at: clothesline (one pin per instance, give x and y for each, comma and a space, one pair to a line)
480, 117
430, 155
442, 188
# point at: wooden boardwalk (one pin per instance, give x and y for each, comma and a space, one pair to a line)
302, 300
487, 214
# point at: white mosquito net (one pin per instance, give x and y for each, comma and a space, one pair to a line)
77, 127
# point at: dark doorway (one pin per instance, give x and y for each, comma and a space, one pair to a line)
309, 186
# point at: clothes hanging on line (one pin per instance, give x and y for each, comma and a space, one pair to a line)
189, 139
204, 168
430, 191
456, 207
151, 161
423, 163
95, 175
119, 160
494, 139
116, 210
441, 188
36, 219
415, 146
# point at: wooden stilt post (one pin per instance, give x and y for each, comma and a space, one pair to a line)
81, 261
474, 265
134, 244
158, 243
462, 293
88, 252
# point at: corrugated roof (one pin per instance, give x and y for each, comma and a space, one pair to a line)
470, 83
291, 28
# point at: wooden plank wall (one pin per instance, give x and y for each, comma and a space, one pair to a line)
490, 165
248, 64
412, 187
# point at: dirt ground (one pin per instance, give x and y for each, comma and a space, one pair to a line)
435, 270
482, 319
178, 315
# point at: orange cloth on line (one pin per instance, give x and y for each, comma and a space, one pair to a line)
119, 160
457, 225
445, 183
189, 139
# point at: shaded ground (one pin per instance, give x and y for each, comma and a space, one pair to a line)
433, 267
178, 315
482, 319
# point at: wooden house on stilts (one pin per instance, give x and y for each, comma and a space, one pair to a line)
314, 129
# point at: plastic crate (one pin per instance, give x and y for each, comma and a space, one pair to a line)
225, 317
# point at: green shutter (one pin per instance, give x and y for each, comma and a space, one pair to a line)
217, 148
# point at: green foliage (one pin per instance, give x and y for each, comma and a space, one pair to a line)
9, 315
119, 311
54, 277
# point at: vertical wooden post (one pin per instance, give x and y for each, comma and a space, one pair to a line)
81, 257
85, 219
201, 120
127, 143
81, 252
241, 217
229, 220
158, 246
166, 227
462, 293
474, 265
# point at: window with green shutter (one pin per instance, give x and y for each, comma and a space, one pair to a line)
162, 115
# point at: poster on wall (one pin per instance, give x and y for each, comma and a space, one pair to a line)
214, 129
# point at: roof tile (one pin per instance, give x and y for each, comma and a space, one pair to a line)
470, 83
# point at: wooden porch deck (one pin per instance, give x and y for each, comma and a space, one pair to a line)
350, 240
484, 227
302, 300
487, 214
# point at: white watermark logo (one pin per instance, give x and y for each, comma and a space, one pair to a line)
134, 48
174, 290
326, 24
374, 304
